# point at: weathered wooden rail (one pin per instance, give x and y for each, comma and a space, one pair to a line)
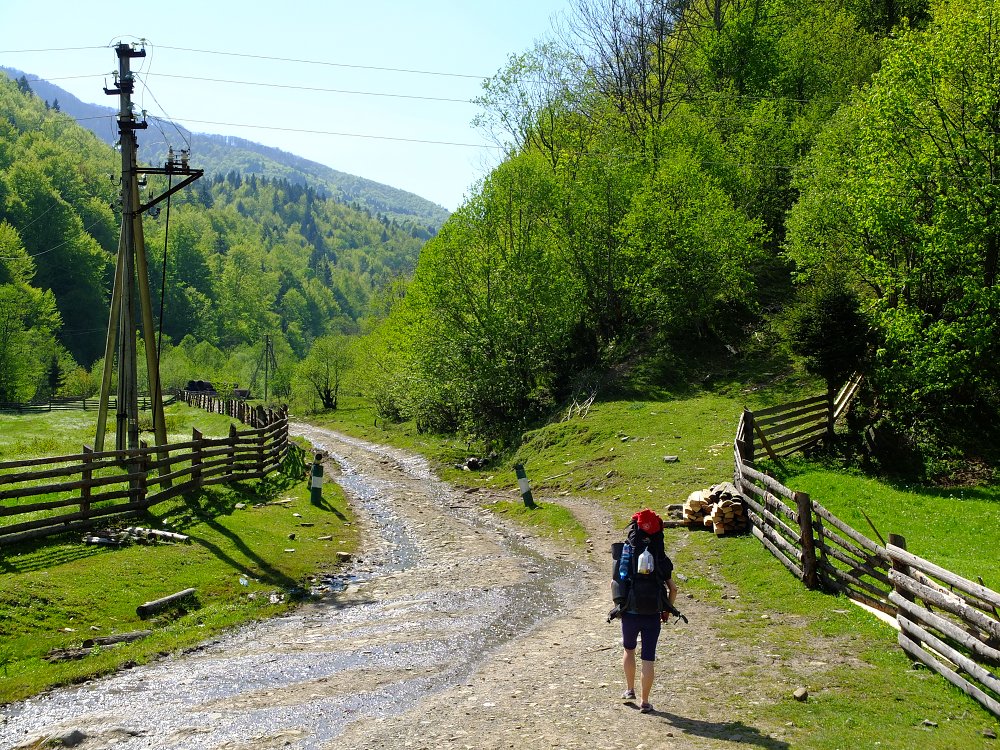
236, 408
72, 404
45, 496
785, 429
948, 623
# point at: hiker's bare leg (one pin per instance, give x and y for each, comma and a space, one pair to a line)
628, 666
647, 677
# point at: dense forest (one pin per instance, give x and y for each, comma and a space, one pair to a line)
804, 183
813, 179
222, 154
245, 258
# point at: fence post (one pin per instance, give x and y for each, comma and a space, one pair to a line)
282, 414
233, 440
257, 417
804, 505
87, 476
139, 466
746, 438
196, 457
900, 541
830, 418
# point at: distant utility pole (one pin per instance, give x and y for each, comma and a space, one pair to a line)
132, 276
267, 362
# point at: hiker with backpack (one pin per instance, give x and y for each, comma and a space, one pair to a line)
644, 593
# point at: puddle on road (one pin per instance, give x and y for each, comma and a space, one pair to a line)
291, 677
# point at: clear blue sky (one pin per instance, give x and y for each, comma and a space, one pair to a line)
470, 39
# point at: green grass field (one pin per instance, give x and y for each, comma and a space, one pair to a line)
58, 433
57, 592
956, 528
616, 456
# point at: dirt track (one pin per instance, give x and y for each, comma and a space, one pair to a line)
453, 631
557, 685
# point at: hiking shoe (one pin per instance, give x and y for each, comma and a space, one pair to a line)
646, 708
628, 695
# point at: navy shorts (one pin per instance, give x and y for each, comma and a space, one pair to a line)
648, 626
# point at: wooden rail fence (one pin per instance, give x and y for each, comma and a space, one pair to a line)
946, 622
231, 407
45, 496
783, 430
67, 404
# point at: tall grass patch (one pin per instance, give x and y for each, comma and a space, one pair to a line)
58, 433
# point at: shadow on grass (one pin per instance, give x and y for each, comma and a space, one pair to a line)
264, 571
46, 553
206, 508
322, 504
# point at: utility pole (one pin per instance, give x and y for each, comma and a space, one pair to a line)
267, 361
132, 278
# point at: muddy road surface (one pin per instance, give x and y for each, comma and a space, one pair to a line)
451, 629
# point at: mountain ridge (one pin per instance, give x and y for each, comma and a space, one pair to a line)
222, 154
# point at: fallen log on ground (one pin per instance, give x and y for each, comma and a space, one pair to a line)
108, 640
146, 609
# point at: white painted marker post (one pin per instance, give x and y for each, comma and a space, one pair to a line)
316, 480
522, 483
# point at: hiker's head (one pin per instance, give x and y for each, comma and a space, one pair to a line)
648, 521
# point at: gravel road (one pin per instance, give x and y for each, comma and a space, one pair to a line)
451, 630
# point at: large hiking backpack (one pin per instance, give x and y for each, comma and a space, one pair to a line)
635, 592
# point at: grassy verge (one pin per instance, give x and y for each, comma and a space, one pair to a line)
545, 520
66, 432
956, 528
872, 698
616, 455
254, 548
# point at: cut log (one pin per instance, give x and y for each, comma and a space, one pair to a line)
102, 540
107, 640
148, 608
65, 654
159, 534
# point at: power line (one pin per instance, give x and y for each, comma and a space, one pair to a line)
56, 247
63, 78
327, 63
337, 133
314, 88
53, 49
169, 119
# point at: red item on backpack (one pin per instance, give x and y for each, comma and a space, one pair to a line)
648, 521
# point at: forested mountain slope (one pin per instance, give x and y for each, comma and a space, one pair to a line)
245, 256
218, 154
813, 179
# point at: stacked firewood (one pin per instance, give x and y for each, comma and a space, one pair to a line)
719, 508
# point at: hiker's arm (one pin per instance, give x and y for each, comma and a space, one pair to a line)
671, 590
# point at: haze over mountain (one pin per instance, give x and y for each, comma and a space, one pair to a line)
220, 154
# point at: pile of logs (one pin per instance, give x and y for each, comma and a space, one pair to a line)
121, 537
719, 508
